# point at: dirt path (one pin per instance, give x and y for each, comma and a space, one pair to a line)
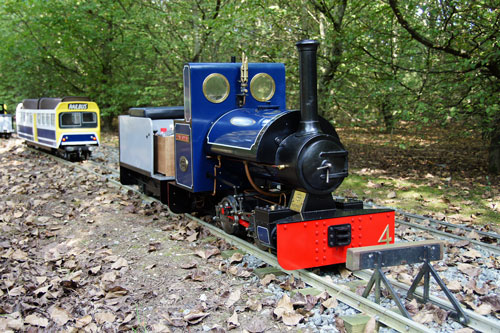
77, 253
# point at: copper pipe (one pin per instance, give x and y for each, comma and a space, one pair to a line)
283, 195
280, 166
254, 186
217, 166
268, 201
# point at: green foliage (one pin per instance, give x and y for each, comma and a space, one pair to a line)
428, 62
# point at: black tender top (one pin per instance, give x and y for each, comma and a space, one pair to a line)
31, 104
159, 112
75, 99
47, 103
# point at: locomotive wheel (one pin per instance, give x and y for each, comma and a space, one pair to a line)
226, 215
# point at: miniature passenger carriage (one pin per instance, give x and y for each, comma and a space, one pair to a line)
68, 126
6, 126
264, 171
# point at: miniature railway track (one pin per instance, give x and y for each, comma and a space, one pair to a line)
433, 221
493, 248
476, 321
386, 316
445, 224
111, 172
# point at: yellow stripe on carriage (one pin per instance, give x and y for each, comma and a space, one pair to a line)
35, 129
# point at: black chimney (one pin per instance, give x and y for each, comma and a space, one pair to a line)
308, 87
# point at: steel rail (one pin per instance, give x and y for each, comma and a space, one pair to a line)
451, 225
476, 321
434, 221
490, 247
386, 316
80, 167
110, 169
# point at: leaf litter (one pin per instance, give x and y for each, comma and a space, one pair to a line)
124, 270
99, 276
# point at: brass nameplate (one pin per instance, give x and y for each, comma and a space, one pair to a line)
298, 199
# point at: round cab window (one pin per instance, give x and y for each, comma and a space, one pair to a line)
262, 87
216, 88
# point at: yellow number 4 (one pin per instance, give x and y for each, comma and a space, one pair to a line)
385, 234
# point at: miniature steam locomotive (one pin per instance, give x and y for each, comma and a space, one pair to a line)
264, 171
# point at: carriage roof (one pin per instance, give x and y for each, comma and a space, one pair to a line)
49, 103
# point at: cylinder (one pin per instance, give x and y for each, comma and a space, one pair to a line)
308, 87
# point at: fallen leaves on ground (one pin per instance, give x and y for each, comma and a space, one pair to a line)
285, 311
195, 317
233, 298
206, 254
268, 278
232, 322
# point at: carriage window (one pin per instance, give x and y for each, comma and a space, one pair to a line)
71, 119
216, 88
78, 119
262, 87
89, 117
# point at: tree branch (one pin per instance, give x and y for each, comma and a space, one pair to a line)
421, 39
411, 69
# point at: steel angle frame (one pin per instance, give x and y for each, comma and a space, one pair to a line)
425, 272
376, 257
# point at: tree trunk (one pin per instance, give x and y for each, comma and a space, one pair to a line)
107, 123
387, 115
494, 149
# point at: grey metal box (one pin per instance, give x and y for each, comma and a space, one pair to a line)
137, 142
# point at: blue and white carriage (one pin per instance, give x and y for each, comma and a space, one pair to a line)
69, 126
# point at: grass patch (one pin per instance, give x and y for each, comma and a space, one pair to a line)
433, 196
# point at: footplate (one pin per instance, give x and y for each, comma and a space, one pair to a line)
320, 242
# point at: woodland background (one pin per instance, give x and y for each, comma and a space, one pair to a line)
385, 64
